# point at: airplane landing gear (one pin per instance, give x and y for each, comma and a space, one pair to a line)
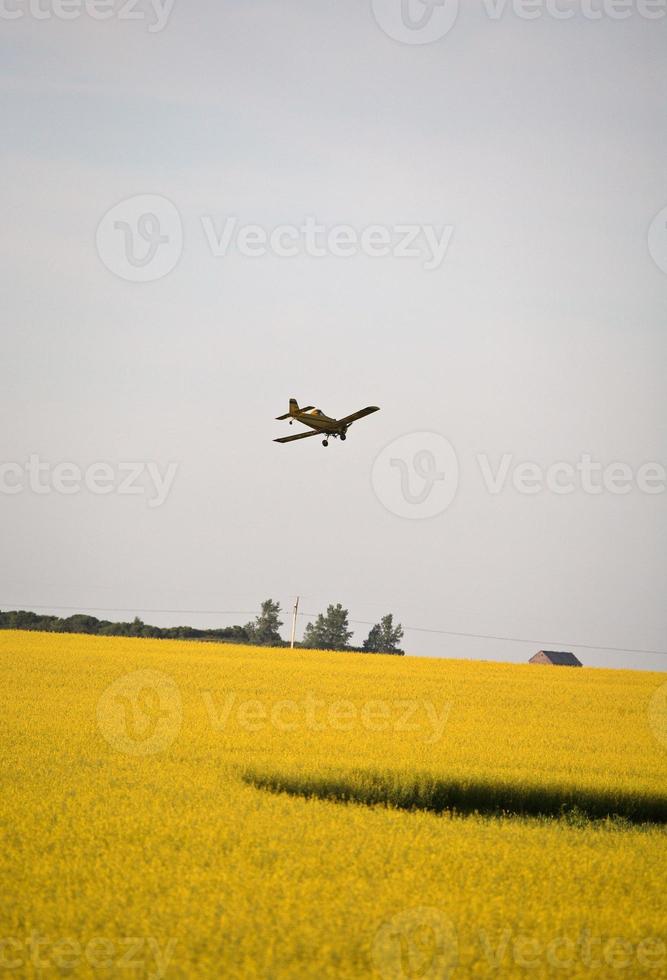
325, 442
343, 437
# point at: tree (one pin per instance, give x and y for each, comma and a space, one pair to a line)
80, 623
136, 627
264, 630
329, 632
384, 637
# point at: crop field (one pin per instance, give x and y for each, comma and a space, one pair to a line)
183, 809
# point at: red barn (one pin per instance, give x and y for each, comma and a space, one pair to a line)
557, 658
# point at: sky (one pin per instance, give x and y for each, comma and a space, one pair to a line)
457, 213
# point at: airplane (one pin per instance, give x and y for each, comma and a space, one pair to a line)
320, 423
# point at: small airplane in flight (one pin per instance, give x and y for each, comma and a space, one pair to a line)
320, 423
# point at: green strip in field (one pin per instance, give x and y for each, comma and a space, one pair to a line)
440, 795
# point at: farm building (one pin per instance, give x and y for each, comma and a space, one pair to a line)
557, 658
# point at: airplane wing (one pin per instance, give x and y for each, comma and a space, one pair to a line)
300, 435
358, 415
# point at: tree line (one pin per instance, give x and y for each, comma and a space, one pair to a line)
330, 631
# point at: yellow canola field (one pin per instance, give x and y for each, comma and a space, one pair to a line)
142, 838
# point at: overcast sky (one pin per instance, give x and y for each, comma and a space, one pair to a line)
531, 153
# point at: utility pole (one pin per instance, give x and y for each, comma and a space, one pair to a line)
294, 615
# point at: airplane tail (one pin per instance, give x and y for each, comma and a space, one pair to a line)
293, 410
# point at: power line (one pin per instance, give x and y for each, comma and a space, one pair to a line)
366, 622
522, 639
184, 612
